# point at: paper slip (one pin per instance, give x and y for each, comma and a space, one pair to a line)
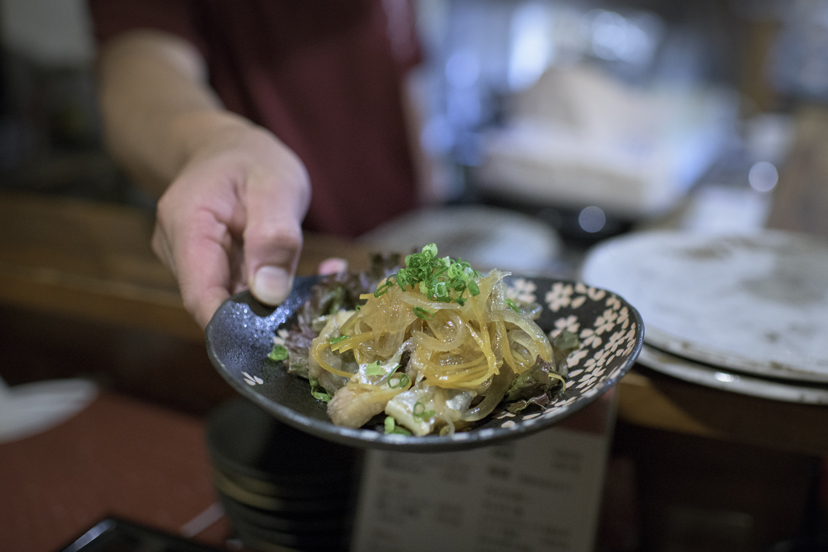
538, 493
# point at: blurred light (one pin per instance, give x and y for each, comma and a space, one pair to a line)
726, 378
614, 37
592, 219
609, 35
763, 176
532, 48
462, 69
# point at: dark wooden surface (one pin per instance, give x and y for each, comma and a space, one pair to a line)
118, 457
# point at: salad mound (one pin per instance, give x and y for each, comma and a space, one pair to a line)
436, 346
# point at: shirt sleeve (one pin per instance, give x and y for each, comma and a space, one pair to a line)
111, 18
402, 33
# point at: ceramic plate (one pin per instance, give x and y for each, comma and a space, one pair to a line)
755, 303
240, 336
711, 376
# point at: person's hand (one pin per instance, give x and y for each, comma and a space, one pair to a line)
232, 219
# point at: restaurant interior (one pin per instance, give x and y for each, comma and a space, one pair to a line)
674, 153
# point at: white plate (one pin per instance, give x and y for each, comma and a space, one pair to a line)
756, 303
729, 381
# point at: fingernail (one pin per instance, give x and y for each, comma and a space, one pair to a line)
271, 285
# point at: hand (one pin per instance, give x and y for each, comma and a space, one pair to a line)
232, 219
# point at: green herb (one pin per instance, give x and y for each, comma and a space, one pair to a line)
419, 411
392, 428
319, 393
566, 341
513, 306
338, 339
440, 279
425, 314
383, 287
402, 381
278, 353
562, 346
374, 369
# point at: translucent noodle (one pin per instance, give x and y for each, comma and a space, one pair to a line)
478, 343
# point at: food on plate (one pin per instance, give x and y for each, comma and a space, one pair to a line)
435, 345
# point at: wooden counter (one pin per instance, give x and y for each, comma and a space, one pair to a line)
117, 457
94, 261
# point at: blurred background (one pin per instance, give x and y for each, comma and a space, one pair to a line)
575, 120
589, 116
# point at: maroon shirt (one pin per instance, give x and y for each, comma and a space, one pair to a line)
325, 76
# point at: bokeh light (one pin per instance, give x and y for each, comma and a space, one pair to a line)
763, 176
592, 219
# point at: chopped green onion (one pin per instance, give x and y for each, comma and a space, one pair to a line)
420, 411
338, 339
374, 369
392, 428
425, 314
383, 287
278, 353
317, 391
440, 279
513, 306
401, 382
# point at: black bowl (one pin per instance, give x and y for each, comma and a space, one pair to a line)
336, 490
264, 456
240, 336
336, 522
326, 506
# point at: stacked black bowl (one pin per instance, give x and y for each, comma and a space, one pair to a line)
281, 489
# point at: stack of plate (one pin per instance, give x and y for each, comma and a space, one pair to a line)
747, 313
281, 489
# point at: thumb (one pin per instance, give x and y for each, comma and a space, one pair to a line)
273, 240
272, 251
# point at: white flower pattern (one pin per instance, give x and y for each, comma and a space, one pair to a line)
606, 321
575, 357
522, 290
589, 338
615, 340
559, 296
606, 330
570, 324
252, 380
281, 336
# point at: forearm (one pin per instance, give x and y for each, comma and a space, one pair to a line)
157, 107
